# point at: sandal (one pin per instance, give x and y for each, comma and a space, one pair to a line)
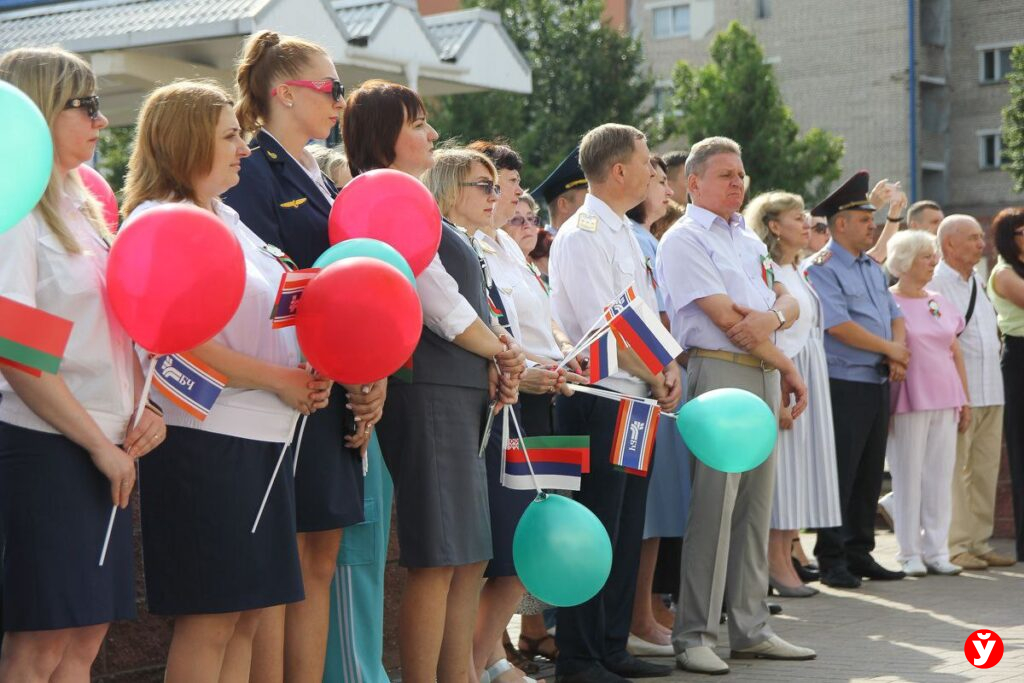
500, 667
533, 647
516, 657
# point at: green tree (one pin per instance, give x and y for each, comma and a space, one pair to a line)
736, 95
585, 73
114, 148
1013, 121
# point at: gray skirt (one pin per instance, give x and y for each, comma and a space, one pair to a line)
430, 437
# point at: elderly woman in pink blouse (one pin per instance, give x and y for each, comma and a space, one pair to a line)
926, 406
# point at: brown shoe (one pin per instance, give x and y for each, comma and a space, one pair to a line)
969, 561
994, 559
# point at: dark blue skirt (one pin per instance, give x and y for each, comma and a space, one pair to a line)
54, 509
329, 479
200, 495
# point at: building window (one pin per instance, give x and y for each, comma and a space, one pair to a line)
990, 149
995, 65
672, 22
764, 9
662, 97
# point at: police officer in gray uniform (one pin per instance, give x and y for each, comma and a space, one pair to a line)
865, 346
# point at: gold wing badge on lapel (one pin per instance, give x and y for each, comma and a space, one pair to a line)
294, 204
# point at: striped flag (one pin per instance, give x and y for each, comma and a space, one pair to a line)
604, 357
558, 462
641, 329
293, 284
31, 340
635, 428
188, 383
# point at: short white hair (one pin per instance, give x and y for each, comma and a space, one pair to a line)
905, 247
951, 225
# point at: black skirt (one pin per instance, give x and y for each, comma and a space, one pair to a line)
54, 509
329, 478
200, 496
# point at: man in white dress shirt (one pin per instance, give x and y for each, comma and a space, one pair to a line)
979, 442
594, 257
724, 307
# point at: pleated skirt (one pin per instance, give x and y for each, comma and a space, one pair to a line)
806, 477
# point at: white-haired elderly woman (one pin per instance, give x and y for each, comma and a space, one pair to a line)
925, 409
806, 480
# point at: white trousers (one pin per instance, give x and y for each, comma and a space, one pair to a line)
922, 453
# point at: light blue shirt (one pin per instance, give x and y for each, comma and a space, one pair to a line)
853, 289
649, 246
703, 255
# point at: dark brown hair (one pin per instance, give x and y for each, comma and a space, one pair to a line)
1004, 225
639, 212
374, 116
504, 157
543, 248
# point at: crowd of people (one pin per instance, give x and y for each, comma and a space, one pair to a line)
870, 346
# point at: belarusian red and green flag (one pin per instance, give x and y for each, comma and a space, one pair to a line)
31, 340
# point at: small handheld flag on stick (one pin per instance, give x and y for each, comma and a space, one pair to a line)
273, 477
189, 383
293, 284
31, 339
604, 357
635, 427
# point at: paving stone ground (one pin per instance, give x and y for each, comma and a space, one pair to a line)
893, 632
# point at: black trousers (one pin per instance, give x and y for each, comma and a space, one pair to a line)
861, 425
597, 630
1013, 428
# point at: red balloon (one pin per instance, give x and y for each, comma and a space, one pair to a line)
175, 277
101, 190
392, 207
359, 320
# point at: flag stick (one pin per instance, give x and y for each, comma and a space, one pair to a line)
526, 455
487, 428
273, 477
615, 396
135, 423
298, 444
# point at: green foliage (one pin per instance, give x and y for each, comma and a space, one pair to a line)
736, 95
115, 146
585, 73
1013, 121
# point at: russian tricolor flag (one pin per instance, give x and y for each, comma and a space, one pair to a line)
189, 383
641, 329
635, 428
604, 357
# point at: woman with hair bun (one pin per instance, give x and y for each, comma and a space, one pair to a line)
288, 94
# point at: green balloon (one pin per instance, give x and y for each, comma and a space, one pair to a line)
29, 149
730, 430
561, 551
365, 246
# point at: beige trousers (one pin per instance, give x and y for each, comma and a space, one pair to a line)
974, 482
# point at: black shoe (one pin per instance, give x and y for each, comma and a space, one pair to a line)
806, 574
874, 571
629, 666
595, 674
839, 577
774, 608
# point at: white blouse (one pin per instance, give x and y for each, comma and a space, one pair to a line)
793, 340
36, 270
249, 413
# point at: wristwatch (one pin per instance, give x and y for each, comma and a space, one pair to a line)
780, 316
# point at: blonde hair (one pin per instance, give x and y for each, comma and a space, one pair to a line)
50, 77
174, 141
701, 153
768, 207
905, 247
605, 146
530, 201
329, 159
452, 167
267, 59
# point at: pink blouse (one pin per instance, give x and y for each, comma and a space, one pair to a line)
932, 381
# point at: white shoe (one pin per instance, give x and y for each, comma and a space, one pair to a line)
885, 508
638, 647
702, 660
915, 567
943, 567
775, 648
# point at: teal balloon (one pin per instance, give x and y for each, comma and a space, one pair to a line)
730, 430
29, 151
561, 551
365, 246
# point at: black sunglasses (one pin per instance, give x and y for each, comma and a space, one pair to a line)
90, 104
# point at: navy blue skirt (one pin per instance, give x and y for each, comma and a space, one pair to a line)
54, 509
329, 478
200, 493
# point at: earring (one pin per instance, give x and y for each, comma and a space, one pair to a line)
288, 104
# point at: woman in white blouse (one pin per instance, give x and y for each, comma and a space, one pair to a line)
202, 489
66, 443
806, 484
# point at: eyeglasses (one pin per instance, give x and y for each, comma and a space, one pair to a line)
486, 185
90, 104
520, 221
328, 86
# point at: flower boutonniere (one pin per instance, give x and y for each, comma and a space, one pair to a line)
933, 308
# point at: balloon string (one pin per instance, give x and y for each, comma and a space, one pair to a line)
143, 397
298, 444
273, 477
522, 445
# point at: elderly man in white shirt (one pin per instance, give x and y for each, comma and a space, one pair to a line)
724, 307
594, 257
979, 442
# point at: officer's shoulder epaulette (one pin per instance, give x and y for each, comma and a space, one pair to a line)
821, 258
587, 222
